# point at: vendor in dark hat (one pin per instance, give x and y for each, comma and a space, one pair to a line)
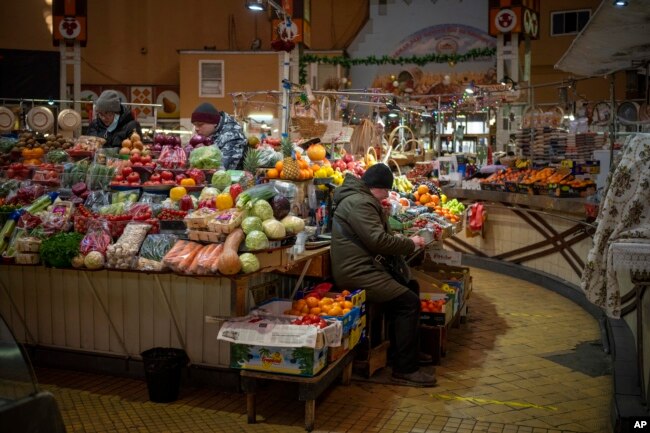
112, 122
224, 132
360, 233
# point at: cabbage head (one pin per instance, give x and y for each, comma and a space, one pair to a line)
249, 263
251, 223
220, 179
263, 210
209, 192
257, 240
274, 229
205, 157
293, 224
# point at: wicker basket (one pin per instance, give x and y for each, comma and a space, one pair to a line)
308, 127
198, 220
220, 224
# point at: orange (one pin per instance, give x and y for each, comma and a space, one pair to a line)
326, 301
423, 189
297, 305
345, 293
272, 173
302, 164
346, 311
347, 305
314, 167
304, 310
336, 311
278, 165
435, 199
425, 198
315, 310
312, 301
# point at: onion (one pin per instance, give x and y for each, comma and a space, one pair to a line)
207, 141
159, 138
176, 140
196, 139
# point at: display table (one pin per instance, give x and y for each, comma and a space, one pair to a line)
309, 388
631, 262
120, 314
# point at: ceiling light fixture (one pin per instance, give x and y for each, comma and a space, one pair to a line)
260, 5
620, 3
470, 88
256, 5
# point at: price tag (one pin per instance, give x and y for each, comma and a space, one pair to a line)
566, 163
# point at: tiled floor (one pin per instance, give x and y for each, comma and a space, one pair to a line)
527, 361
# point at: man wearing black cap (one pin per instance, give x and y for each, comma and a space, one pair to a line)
113, 122
360, 233
224, 132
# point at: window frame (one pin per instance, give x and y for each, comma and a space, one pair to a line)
221, 92
571, 11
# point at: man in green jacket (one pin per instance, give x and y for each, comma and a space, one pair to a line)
360, 232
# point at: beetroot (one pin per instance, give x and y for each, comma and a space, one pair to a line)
79, 188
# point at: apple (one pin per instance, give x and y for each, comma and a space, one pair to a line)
145, 159
348, 158
118, 178
168, 182
167, 175
138, 164
133, 178
155, 177
126, 171
135, 158
150, 164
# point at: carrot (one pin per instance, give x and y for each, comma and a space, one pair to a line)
205, 259
176, 251
183, 265
197, 265
194, 266
214, 260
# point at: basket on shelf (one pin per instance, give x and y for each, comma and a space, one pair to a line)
308, 127
225, 221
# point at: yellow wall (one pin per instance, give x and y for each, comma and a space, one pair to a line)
547, 50
119, 29
243, 72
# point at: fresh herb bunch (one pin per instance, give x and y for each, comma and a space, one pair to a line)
58, 250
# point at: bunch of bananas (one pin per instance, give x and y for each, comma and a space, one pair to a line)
522, 163
402, 184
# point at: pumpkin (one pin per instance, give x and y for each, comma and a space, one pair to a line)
224, 201
229, 263
316, 152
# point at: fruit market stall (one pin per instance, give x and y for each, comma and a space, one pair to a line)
112, 252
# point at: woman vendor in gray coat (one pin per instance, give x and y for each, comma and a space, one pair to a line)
360, 232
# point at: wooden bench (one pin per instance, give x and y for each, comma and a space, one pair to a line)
309, 388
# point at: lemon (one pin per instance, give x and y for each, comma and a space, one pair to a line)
328, 170
443, 198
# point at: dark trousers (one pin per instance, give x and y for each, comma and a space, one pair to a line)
403, 314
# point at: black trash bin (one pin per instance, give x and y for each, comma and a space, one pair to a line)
162, 368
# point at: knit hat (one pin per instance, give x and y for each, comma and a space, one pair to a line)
206, 113
378, 176
108, 102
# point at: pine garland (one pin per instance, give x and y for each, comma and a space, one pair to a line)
347, 62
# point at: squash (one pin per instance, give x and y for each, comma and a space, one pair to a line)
229, 263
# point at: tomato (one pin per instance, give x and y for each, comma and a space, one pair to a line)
126, 171
167, 175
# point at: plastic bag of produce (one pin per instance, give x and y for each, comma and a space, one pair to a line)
122, 254
97, 199
98, 237
156, 246
205, 157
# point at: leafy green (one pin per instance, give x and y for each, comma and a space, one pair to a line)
59, 250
